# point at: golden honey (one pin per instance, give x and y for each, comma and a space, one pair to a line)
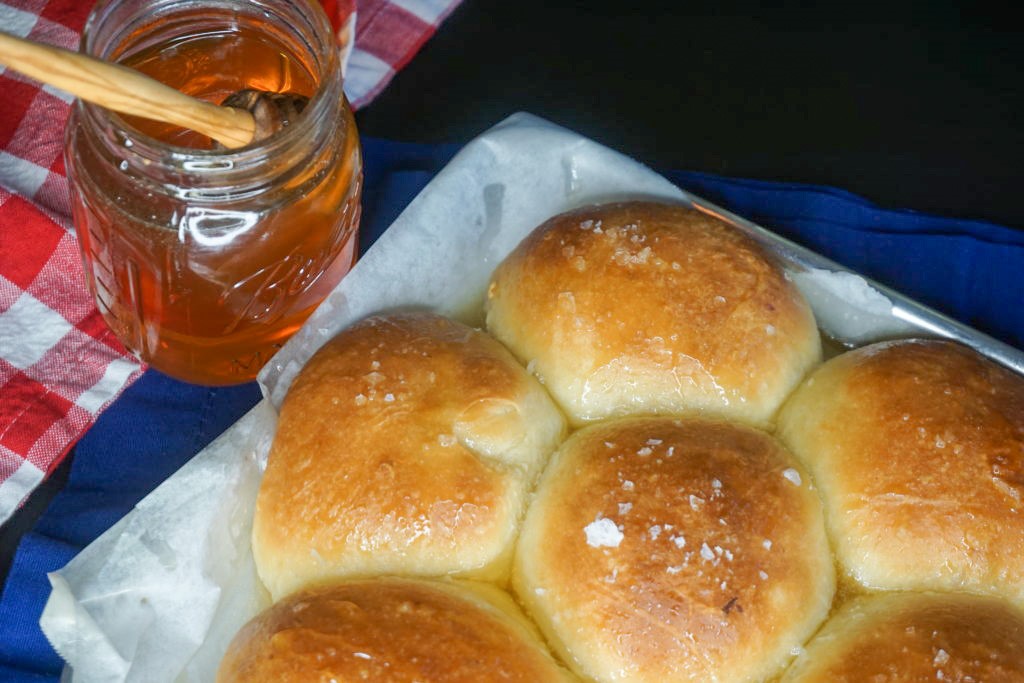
204, 261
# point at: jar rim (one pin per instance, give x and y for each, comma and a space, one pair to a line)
319, 39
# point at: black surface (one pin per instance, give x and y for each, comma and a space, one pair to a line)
916, 105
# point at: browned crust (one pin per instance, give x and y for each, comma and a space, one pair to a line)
406, 445
916, 637
637, 307
722, 568
918, 448
389, 630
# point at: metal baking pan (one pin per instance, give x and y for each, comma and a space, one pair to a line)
438, 254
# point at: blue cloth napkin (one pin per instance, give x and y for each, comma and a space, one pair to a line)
968, 269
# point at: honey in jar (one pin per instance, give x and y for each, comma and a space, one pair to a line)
205, 261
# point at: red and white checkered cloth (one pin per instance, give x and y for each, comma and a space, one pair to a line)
60, 365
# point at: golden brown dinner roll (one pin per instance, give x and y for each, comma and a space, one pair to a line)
906, 637
918, 450
407, 445
644, 308
390, 630
667, 550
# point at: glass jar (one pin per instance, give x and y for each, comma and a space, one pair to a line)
205, 261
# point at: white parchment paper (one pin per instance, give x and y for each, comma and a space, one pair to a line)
161, 593
158, 597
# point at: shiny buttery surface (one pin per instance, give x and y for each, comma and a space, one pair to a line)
659, 549
641, 308
393, 631
407, 445
918, 450
916, 638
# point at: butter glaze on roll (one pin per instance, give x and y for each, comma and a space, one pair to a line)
645, 308
666, 550
406, 446
918, 450
916, 637
390, 630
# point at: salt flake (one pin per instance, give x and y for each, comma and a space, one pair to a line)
602, 533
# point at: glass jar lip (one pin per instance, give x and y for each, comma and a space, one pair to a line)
151, 149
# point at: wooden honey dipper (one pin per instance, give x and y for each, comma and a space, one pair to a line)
245, 116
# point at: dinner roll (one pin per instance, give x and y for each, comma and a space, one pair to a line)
667, 550
407, 445
902, 637
918, 449
390, 630
644, 308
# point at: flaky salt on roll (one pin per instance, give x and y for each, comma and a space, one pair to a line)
901, 637
645, 308
918, 450
407, 445
665, 550
390, 630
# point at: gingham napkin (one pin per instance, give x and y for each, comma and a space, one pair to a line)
59, 364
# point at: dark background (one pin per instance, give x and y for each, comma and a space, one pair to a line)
913, 105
